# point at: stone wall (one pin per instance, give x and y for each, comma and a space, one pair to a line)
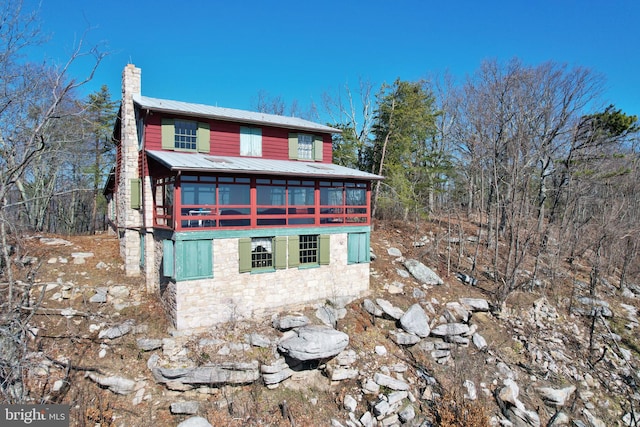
232, 296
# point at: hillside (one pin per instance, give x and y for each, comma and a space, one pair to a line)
550, 355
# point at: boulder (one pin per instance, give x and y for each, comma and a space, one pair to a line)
415, 321
372, 308
313, 343
407, 414
422, 273
556, 397
395, 252
327, 315
388, 308
479, 341
455, 312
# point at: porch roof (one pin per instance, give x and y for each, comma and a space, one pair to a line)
197, 162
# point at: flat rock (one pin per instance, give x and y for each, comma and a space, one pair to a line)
390, 382
195, 422
148, 344
118, 385
190, 407
314, 342
285, 323
223, 373
404, 338
116, 331
448, 329
475, 304
422, 273
258, 340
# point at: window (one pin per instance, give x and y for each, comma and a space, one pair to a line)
308, 249
262, 254
185, 135
163, 200
305, 147
358, 248
250, 141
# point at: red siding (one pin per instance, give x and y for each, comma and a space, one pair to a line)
153, 133
225, 139
275, 143
327, 149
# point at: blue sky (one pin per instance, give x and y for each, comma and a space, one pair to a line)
225, 52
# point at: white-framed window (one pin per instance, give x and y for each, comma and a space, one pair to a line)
186, 135
305, 146
261, 252
250, 141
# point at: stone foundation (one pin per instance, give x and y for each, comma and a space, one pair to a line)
231, 296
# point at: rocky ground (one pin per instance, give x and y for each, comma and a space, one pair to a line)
419, 350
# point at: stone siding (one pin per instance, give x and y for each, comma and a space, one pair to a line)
233, 296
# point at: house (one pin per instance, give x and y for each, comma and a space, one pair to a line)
229, 214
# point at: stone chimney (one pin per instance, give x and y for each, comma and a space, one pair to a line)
129, 219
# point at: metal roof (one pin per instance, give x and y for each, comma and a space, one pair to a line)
229, 114
197, 162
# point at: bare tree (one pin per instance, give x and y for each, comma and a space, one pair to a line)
514, 122
33, 101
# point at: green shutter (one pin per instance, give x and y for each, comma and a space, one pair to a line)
353, 247
293, 145
358, 248
365, 255
194, 259
317, 148
136, 197
168, 134
168, 259
281, 252
324, 249
203, 138
244, 254
142, 250
294, 251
